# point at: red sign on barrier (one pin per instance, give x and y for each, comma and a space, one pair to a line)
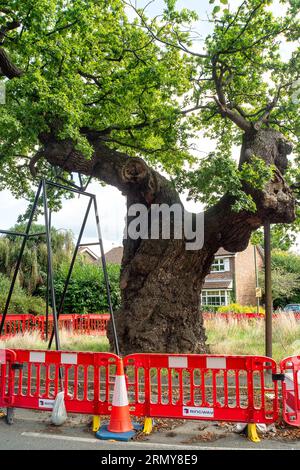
290, 367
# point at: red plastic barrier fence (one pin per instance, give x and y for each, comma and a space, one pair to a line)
32, 379
15, 324
78, 324
244, 316
91, 323
205, 387
290, 367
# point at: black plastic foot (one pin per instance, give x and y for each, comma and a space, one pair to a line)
10, 414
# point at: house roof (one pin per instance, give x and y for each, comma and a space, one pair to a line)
114, 256
218, 284
222, 252
87, 250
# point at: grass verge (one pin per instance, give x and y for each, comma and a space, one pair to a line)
224, 337
248, 336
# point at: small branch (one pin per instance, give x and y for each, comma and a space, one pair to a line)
62, 28
220, 100
180, 47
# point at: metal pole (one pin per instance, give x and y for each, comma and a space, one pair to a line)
268, 289
33, 209
106, 278
48, 288
50, 265
59, 310
256, 277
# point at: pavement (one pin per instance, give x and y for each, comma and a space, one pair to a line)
32, 430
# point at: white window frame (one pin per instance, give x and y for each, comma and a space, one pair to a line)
222, 294
220, 265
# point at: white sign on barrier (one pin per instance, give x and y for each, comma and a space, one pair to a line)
200, 412
67, 358
46, 404
35, 356
216, 362
180, 362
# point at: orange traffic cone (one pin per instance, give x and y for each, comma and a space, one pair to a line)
120, 427
120, 417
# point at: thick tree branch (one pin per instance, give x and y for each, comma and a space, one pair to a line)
7, 68
131, 175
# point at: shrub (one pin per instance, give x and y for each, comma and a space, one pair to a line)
209, 308
21, 303
238, 308
86, 292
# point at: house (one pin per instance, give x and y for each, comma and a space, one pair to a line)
88, 254
232, 277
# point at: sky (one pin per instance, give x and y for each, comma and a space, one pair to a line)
112, 205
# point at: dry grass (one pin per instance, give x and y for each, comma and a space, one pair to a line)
68, 342
224, 337
247, 336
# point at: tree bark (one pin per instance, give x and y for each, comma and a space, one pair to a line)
160, 280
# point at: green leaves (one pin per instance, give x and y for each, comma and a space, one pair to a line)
216, 9
147, 88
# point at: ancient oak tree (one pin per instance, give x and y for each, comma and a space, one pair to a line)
107, 89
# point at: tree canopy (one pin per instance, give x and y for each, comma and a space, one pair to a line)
96, 67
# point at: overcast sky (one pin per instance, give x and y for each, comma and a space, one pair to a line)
111, 203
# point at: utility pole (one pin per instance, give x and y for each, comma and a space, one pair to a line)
268, 289
256, 279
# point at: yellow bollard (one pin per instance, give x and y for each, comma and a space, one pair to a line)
96, 423
252, 432
148, 426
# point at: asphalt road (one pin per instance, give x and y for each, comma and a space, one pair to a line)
33, 431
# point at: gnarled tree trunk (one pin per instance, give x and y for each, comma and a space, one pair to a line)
160, 280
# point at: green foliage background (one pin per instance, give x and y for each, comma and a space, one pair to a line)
86, 292
285, 278
21, 302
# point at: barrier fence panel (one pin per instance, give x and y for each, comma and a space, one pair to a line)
16, 324
32, 379
75, 323
204, 387
226, 388
290, 367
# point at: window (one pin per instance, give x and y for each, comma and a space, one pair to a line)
220, 265
215, 297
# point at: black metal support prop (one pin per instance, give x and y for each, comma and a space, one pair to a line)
50, 282
47, 291
61, 304
92, 197
50, 266
268, 289
25, 237
104, 267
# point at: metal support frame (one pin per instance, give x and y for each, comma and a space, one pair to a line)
25, 238
50, 291
268, 289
